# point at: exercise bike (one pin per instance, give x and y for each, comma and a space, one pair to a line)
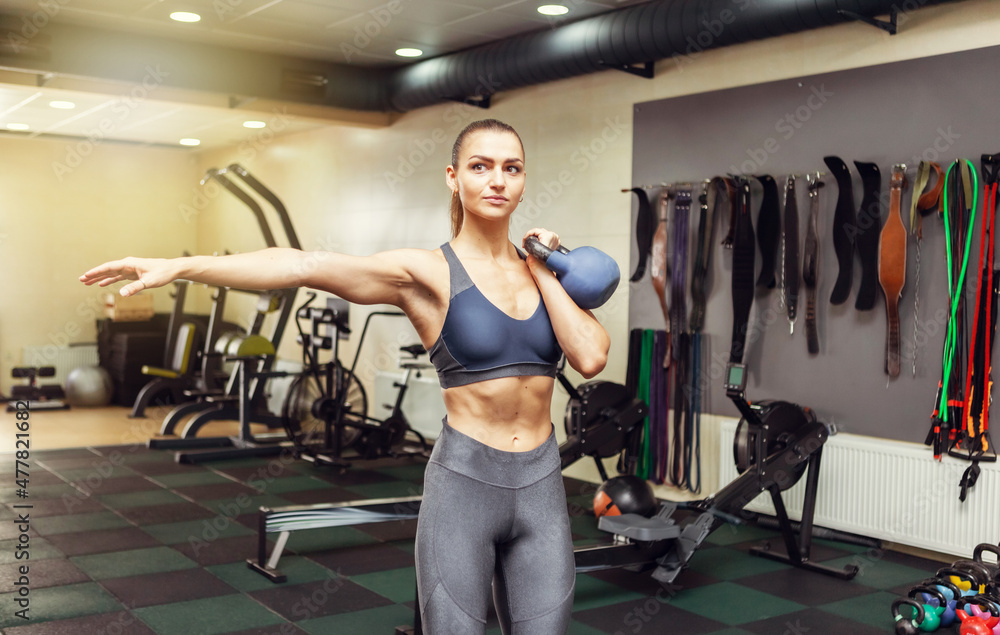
325, 412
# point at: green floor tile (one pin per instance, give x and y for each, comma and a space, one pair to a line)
879, 573
73, 523
587, 527
201, 477
729, 534
379, 620
405, 472
576, 628
59, 603
315, 540
121, 564
298, 569
224, 614
207, 529
729, 564
872, 609
103, 468
140, 499
38, 547
741, 604
591, 593
388, 489
731, 631
398, 585
295, 484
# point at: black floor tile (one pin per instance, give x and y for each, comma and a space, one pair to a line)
648, 615
167, 587
158, 468
104, 541
330, 494
118, 485
64, 506
364, 559
320, 598
248, 474
643, 582
215, 491
41, 574
157, 514
119, 622
391, 531
790, 583
219, 551
283, 629
353, 477
816, 622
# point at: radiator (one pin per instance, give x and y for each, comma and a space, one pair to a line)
891, 490
63, 358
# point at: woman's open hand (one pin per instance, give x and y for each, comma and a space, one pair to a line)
148, 273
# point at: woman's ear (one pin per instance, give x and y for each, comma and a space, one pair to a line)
451, 178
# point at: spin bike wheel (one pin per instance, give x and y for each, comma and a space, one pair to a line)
305, 410
781, 420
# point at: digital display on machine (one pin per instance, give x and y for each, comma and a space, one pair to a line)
736, 377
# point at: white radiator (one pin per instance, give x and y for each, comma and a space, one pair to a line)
890, 490
63, 358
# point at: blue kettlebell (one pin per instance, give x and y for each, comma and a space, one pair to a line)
951, 594
588, 275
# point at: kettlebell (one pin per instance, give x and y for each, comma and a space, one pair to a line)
932, 614
907, 625
974, 624
951, 594
964, 579
588, 275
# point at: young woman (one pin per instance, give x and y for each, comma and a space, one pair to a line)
495, 323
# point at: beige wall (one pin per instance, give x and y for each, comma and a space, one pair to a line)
362, 190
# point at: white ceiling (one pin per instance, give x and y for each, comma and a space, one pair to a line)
357, 32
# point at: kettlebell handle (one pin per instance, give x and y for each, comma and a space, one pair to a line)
535, 247
907, 626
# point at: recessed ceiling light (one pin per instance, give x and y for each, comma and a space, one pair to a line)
254, 124
408, 52
190, 142
553, 9
185, 16
62, 105
18, 126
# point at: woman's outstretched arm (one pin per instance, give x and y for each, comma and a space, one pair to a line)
382, 278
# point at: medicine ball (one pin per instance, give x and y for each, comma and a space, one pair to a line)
624, 495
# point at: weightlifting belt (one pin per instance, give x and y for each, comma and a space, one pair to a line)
867, 238
744, 255
892, 266
790, 253
645, 224
844, 229
925, 200
678, 286
810, 262
768, 231
712, 195
659, 270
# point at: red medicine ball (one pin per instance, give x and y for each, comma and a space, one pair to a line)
624, 495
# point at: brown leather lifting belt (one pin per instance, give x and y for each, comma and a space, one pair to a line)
892, 266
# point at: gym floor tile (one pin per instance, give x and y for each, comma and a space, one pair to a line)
61, 464
93, 521
139, 499
208, 616
215, 491
821, 589
817, 553
166, 587
205, 529
120, 485
100, 467
643, 582
59, 603
218, 551
243, 503
39, 548
117, 622
38, 493
41, 574
741, 604
159, 514
11, 529
729, 534
287, 484
404, 530
248, 474
399, 585
353, 478
388, 489
318, 599
310, 541
320, 496
583, 527
160, 468
575, 628
36, 478
284, 629
740, 631
90, 542
593, 593
871, 609
880, 573
378, 620
120, 564
413, 473
201, 477
364, 559
645, 615
729, 564
298, 570
63, 506
815, 622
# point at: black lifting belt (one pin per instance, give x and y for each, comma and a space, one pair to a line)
868, 231
645, 225
712, 195
810, 263
744, 255
790, 252
768, 232
844, 229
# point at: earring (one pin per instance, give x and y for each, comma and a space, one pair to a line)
521, 200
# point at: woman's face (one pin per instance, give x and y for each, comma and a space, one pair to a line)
489, 175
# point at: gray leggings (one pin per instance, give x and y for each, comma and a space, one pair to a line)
489, 516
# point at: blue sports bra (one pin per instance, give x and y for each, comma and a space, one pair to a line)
479, 341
